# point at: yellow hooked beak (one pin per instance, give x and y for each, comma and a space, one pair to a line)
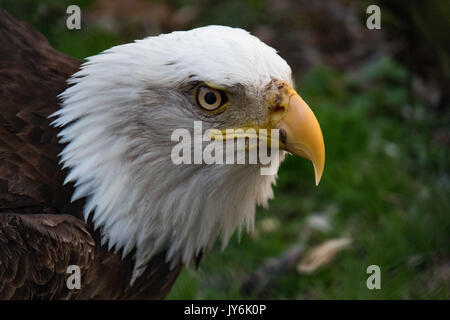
300, 132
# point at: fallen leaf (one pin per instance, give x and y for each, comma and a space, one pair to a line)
322, 255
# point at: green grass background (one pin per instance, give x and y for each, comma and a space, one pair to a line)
385, 183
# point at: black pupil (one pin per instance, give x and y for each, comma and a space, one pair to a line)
210, 98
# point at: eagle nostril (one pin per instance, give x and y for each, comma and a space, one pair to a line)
283, 136
277, 109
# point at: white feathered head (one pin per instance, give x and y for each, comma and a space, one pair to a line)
118, 118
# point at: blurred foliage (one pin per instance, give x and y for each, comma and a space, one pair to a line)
418, 34
386, 181
385, 177
424, 24
49, 17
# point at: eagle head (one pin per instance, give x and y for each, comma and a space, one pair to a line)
118, 119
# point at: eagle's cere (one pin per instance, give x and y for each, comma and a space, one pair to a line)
115, 124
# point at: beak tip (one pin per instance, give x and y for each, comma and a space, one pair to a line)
317, 180
318, 171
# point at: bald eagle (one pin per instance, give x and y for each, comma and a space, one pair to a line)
86, 176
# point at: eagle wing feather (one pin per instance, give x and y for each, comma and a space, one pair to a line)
41, 230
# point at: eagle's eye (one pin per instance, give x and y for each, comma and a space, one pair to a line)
210, 99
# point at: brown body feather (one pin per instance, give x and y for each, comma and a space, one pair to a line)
41, 231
